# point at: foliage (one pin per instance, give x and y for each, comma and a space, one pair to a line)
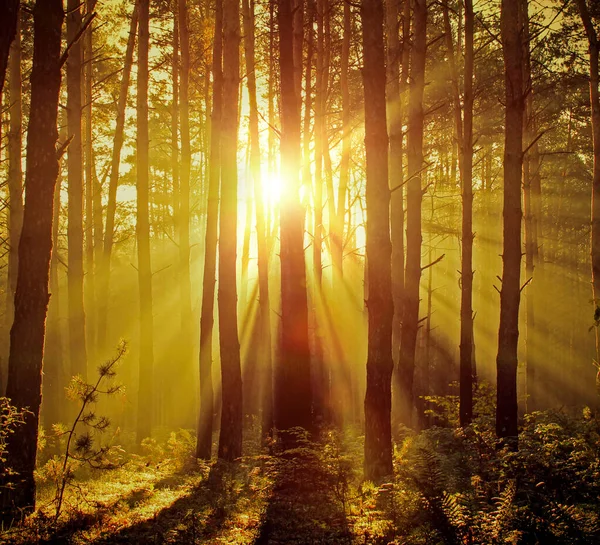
10, 418
465, 487
81, 438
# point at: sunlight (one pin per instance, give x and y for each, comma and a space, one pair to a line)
271, 188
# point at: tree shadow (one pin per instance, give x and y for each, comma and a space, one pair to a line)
304, 507
201, 516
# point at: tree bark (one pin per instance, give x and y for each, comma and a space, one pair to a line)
35, 248
378, 399
185, 288
261, 228
396, 175
77, 330
595, 206
230, 438
510, 294
113, 184
413, 217
204, 437
292, 378
146, 363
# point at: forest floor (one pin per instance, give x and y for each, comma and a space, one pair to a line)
450, 486
298, 496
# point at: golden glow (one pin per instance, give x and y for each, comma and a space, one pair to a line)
271, 186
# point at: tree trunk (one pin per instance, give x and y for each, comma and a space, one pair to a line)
413, 217
595, 207
146, 364
35, 247
464, 132
292, 379
510, 294
90, 277
378, 399
261, 228
394, 115
185, 288
230, 438
204, 437
15, 185
113, 183
77, 331
9, 14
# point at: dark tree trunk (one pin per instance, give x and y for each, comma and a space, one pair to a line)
35, 247
594, 48
510, 294
146, 363
292, 375
414, 195
77, 330
230, 438
205, 420
378, 399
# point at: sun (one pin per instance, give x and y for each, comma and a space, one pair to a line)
271, 187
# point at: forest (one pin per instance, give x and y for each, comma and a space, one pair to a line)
300, 272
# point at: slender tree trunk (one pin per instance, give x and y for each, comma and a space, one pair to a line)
230, 438
530, 208
146, 364
378, 399
464, 132
9, 14
292, 379
185, 288
413, 217
90, 277
510, 294
77, 331
261, 232
15, 185
204, 441
54, 369
35, 247
113, 183
337, 234
396, 182
595, 207
467, 370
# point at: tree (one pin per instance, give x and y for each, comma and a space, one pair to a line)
510, 294
9, 13
204, 437
394, 114
292, 374
146, 367
15, 175
35, 248
261, 227
594, 50
77, 331
414, 196
378, 399
113, 183
463, 116
185, 289
230, 438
